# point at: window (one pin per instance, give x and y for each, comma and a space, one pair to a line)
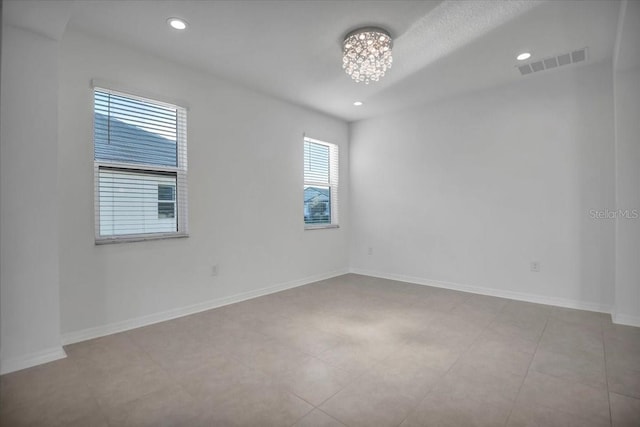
320, 184
140, 166
166, 201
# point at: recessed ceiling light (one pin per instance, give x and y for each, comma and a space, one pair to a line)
177, 23
357, 103
523, 56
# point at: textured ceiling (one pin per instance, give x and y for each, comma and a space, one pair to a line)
292, 49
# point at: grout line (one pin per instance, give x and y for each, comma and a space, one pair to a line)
305, 414
606, 375
332, 417
445, 373
515, 401
101, 410
143, 351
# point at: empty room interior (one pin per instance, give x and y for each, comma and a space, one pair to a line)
320, 213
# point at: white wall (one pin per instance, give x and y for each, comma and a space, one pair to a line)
245, 196
468, 191
627, 130
28, 201
627, 289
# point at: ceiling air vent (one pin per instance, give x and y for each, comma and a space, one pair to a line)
579, 55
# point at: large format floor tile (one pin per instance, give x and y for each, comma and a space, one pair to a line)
625, 411
441, 410
369, 403
575, 368
317, 418
315, 381
345, 352
566, 396
525, 415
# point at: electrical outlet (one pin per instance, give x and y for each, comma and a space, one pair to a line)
535, 266
370, 251
214, 270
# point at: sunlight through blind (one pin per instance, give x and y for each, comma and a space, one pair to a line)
140, 163
320, 183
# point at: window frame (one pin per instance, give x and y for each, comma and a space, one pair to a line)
333, 184
180, 172
172, 201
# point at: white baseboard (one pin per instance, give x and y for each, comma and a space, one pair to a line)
33, 359
112, 328
519, 296
624, 319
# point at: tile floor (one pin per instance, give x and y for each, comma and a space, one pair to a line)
350, 351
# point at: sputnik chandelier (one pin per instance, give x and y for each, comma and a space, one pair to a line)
366, 54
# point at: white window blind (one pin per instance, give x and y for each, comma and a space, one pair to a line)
320, 184
140, 166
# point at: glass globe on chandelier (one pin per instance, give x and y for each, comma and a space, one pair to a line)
366, 54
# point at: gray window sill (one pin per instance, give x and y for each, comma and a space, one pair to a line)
320, 227
139, 238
